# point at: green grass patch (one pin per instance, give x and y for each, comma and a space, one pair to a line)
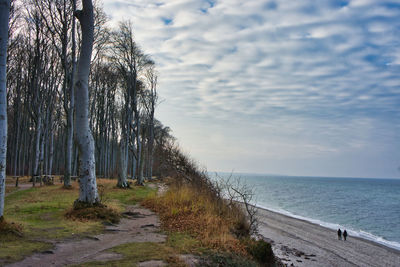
41, 211
110, 194
184, 243
14, 249
10, 189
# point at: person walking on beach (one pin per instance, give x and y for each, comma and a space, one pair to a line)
344, 235
339, 234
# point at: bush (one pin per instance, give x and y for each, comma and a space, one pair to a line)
225, 259
261, 251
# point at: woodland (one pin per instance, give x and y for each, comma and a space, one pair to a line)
79, 101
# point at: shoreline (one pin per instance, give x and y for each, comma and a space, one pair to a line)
374, 239
303, 243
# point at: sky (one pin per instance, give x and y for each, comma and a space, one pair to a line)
307, 88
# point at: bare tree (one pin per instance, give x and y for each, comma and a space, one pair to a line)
84, 138
4, 15
237, 192
128, 59
150, 104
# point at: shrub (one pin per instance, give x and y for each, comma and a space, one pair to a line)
261, 251
225, 260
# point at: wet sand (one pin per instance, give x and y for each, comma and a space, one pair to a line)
301, 243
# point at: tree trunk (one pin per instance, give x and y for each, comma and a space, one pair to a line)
36, 155
84, 138
123, 165
151, 146
139, 156
4, 15
70, 113
41, 157
51, 153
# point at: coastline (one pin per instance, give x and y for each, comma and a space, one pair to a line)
303, 243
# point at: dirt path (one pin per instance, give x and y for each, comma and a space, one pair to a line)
20, 187
139, 225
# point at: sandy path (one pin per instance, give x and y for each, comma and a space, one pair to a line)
140, 225
20, 187
302, 243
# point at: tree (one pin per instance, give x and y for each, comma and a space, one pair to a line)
4, 15
150, 101
128, 59
87, 167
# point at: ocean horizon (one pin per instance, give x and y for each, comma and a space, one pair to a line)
368, 208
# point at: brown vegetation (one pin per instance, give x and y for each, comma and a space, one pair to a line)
218, 215
84, 212
7, 228
183, 209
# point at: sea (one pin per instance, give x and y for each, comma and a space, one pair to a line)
365, 207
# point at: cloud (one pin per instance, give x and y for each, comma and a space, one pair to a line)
319, 65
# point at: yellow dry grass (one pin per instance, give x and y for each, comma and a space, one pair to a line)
185, 209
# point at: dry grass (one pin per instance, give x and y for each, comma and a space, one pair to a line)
96, 212
13, 229
186, 209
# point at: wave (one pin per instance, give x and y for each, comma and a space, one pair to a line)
356, 233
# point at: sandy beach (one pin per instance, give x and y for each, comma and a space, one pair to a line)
301, 243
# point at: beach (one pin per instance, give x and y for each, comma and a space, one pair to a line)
300, 243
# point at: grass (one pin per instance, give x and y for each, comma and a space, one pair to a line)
193, 222
183, 209
199, 224
41, 211
184, 243
16, 249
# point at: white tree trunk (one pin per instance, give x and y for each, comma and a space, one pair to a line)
4, 15
84, 138
123, 165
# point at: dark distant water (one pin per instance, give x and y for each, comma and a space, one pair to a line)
368, 208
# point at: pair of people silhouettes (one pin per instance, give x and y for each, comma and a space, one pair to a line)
339, 234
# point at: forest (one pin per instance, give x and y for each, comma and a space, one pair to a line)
44, 96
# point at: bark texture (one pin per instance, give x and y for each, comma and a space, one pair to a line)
4, 15
84, 138
123, 165
70, 113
